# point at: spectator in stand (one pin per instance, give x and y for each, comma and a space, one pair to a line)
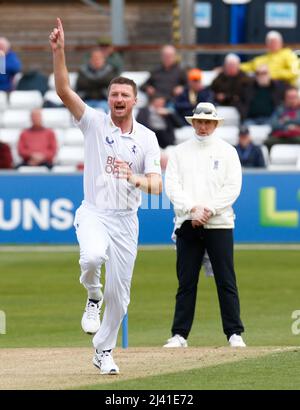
6, 160
230, 87
93, 80
283, 63
112, 56
286, 120
37, 145
264, 96
160, 119
193, 94
12, 65
250, 155
169, 79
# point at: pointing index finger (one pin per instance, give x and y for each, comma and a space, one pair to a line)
59, 24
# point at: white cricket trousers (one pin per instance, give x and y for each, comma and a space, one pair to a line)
109, 238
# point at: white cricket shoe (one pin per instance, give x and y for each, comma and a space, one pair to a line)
105, 363
90, 321
236, 341
176, 341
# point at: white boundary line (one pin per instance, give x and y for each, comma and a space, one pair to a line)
75, 248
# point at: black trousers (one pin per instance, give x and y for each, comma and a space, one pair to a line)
191, 244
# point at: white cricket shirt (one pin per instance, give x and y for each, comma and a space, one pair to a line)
206, 173
104, 143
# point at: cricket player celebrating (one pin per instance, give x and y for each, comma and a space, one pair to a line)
122, 157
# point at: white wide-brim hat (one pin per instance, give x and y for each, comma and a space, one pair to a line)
205, 111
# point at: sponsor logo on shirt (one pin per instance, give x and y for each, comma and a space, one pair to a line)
110, 167
157, 162
109, 141
216, 164
133, 149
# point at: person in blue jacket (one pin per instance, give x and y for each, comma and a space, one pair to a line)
250, 155
12, 65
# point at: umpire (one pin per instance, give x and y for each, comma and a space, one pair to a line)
203, 179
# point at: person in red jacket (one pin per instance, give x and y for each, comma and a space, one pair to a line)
6, 161
37, 145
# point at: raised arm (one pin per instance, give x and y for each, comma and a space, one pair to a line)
71, 100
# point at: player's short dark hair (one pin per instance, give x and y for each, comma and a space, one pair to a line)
124, 80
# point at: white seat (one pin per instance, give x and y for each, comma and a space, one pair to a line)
73, 136
3, 100
284, 154
25, 99
53, 98
208, 77
139, 77
64, 169
56, 118
230, 114
10, 135
16, 157
228, 133
298, 162
259, 133
16, 119
280, 168
142, 100
70, 156
265, 152
17, 79
183, 134
72, 79
60, 136
33, 170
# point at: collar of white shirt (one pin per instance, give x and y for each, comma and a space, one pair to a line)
115, 129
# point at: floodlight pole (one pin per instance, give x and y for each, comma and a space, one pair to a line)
118, 30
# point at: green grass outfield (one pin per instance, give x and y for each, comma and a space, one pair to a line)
43, 302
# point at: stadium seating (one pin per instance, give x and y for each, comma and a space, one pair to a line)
230, 114
25, 100
208, 77
142, 99
73, 137
259, 133
10, 135
72, 78
139, 77
51, 97
228, 133
69, 155
16, 119
56, 118
284, 155
33, 170
183, 134
64, 169
265, 152
3, 100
